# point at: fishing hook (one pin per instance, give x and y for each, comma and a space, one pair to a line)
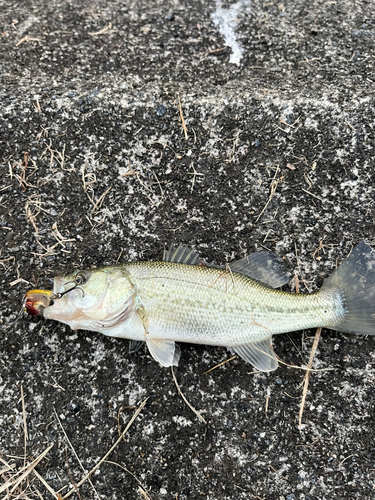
61, 294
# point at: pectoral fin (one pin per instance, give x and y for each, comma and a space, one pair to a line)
260, 354
165, 352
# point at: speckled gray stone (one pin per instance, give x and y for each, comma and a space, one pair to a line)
279, 155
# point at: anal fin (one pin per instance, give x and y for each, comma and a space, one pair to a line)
260, 354
165, 352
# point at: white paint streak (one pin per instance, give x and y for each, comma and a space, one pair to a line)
226, 21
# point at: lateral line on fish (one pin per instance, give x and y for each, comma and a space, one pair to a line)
193, 282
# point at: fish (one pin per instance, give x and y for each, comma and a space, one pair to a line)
183, 299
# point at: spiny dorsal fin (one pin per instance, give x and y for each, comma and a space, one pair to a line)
263, 267
182, 255
260, 354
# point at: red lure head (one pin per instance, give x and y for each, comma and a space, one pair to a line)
36, 301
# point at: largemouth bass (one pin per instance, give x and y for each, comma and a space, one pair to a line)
183, 299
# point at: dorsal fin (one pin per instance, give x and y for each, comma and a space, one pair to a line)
263, 267
182, 255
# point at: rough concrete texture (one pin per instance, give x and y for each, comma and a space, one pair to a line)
95, 169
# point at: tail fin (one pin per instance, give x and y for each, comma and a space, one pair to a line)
356, 280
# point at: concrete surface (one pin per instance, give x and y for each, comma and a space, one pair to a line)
278, 101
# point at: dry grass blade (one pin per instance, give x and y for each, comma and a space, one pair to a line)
143, 493
220, 364
346, 458
26, 437
296, 281
73, 490
314, 195
23, 178
70, 475
46, 485
88, 181
135, 477
104, 31
75, 454
12, 484
273, 187
28, 39
194, 173
182, 118
307, 376
186, 401
304, 368
100, 200
33, 208
61, 240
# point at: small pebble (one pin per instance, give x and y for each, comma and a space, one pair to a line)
161, 110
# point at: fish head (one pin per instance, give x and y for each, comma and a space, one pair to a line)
89, 296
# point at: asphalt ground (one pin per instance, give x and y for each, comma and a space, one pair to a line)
275, 150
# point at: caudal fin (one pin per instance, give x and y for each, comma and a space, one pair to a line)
355, 279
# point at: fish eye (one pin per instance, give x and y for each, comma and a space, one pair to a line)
80, 279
